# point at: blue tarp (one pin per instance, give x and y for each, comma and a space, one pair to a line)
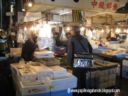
121, 56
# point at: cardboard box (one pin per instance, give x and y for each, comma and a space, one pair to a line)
16, 52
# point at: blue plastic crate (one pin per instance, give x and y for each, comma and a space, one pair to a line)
57, 93
43, 94
61, 93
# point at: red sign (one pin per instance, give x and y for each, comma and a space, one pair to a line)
102, 5
94, 3
105, 5
115, 6
109, 5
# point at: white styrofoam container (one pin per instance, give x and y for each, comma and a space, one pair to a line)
42, 72
125, 74
30, 90
65, 83
25, 76
125, 62
44, 54
58, 72
125, 65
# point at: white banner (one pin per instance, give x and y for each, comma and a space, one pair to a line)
32, 16
110, 5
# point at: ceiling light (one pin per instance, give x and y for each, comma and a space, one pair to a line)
76, 1
25, 28
68, 29
82, 28
118, 30
30, 4
65, 13
23, 10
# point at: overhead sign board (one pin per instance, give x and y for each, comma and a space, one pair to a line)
110, 5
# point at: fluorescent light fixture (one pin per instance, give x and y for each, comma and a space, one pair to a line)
54, 22
65, 13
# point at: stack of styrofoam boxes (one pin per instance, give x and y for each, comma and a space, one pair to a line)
125, 69
112, 77
92, 79
101, 78
59, 78
47, 80
27, 82
107, 78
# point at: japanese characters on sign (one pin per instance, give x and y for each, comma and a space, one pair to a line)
105, 4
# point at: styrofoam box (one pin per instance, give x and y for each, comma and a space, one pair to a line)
36, 89
65, 83
24, 73
55, 85
125, 68
58, 72
125, 74
43, 72
23, 90
125, 62
44, 54
112, 77
31, 76
56, 93
125, 65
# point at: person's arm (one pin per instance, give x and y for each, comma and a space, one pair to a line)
70, 53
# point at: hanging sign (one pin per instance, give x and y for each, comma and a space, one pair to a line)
110, 5
105, 4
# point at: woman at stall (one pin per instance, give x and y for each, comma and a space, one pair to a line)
29, 48
78, 44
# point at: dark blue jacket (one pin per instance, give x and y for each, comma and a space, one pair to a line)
75, 47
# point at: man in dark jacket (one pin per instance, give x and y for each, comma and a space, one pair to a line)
74, 45
78, 44
29, 48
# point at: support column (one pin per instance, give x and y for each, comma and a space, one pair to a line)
1, 14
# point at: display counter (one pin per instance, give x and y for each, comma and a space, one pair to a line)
114, 56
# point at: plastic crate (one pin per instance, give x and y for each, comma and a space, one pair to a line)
56, 93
